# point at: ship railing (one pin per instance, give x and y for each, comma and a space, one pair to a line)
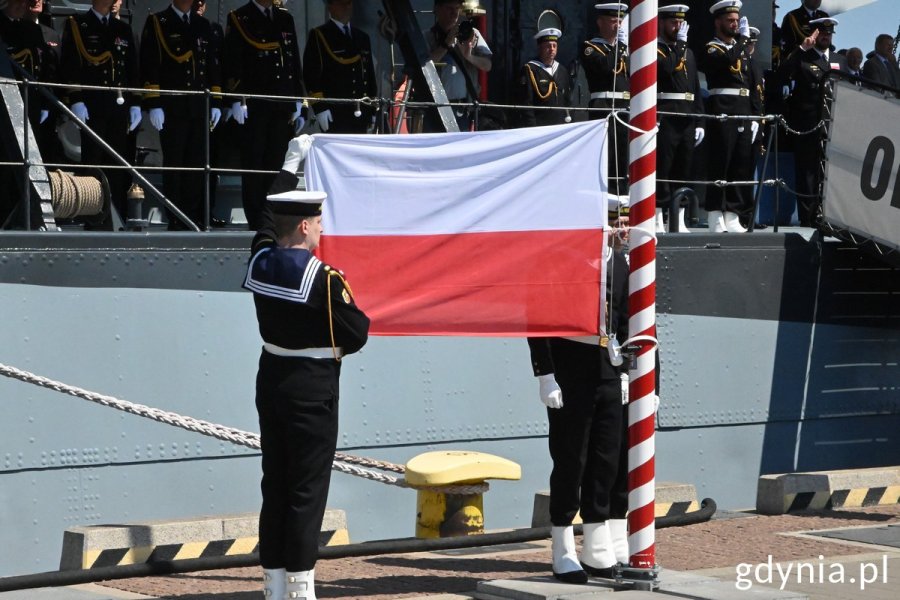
388, 112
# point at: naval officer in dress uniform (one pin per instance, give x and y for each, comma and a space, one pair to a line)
337, 63
604, 59
544, 82
582, 389
98, 49
724, 62
262, 56
178, 52
678, 91
795, 26
308, 321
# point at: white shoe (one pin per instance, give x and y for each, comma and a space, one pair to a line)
733, 223
597, 555
274, 584
660, 225
618, 531
682, 228
301, 585
716, 221
565, 559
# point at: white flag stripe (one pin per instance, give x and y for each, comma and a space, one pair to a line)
462, 183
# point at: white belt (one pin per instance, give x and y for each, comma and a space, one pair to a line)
729, 92
610, 95
676, 96
303, 353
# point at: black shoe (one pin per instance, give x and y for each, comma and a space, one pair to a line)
605, 573
759, 226
572, 577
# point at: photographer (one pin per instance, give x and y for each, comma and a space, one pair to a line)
459, 52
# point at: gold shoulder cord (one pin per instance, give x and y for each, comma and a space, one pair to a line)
597, 48
94, 60
798, 31
335, 58
249, 40
334, 273
25, 59
179, 58
537, 90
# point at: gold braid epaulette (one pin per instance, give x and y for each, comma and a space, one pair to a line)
334, 57
250, 40
79, 44
537, 90
597, 48
329, 274
25, 59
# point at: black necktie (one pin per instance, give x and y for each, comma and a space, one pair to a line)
105, 20
184, 18
269, 14
347, 30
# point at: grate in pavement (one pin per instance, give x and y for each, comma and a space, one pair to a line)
884, 535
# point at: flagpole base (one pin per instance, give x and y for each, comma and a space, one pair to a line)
638, 578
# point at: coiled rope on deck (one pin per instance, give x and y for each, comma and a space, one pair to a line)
75, 195
342, 462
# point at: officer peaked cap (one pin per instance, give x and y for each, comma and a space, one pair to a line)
611, 9
299, 203
824, 24
674, 11
726, 6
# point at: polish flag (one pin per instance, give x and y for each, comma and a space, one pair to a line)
468, 234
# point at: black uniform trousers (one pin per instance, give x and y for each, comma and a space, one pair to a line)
807, 171
674, 151
297, 402
110, 121
617, 136
264, 139
183, 142
586, 438
729, 143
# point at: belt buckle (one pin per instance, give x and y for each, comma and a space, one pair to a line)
626, 95
744, 92
604, 341
689, 97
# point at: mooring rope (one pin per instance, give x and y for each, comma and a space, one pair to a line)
342, 462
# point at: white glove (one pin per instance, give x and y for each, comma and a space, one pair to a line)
622, 34
239, 112
297, 150
324, 119
754, 129
785, 91
80, 111
134, 117
157, 118
551, 395
44, 115
215, 114
624, 379
699, 134
744, 27
681, 36
227, 114
298, 119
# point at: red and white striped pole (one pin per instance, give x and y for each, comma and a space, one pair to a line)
642, 284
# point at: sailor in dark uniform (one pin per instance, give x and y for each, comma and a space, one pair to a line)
308, 321
678, 91
795, 26
262, 57
604, 59
582, 390
338, 64
24, 42
544, 82
756, 85
178, 53
98, 49
725, 64
808, 66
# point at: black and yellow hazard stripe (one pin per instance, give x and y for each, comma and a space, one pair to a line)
853, 498
674, 509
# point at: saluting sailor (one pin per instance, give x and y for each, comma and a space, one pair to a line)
262, 57
678, 91
544, 82
725, 64
337, 63
308, 321
605, 62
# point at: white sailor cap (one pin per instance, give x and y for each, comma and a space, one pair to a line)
824, 24
550, 34
674, 11
611, 9
617, 206
301, 203
726, 6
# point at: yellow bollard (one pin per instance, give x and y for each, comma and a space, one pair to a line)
441, 514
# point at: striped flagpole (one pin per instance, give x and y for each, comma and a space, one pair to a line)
642, 284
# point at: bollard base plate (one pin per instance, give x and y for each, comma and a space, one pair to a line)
637, 578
